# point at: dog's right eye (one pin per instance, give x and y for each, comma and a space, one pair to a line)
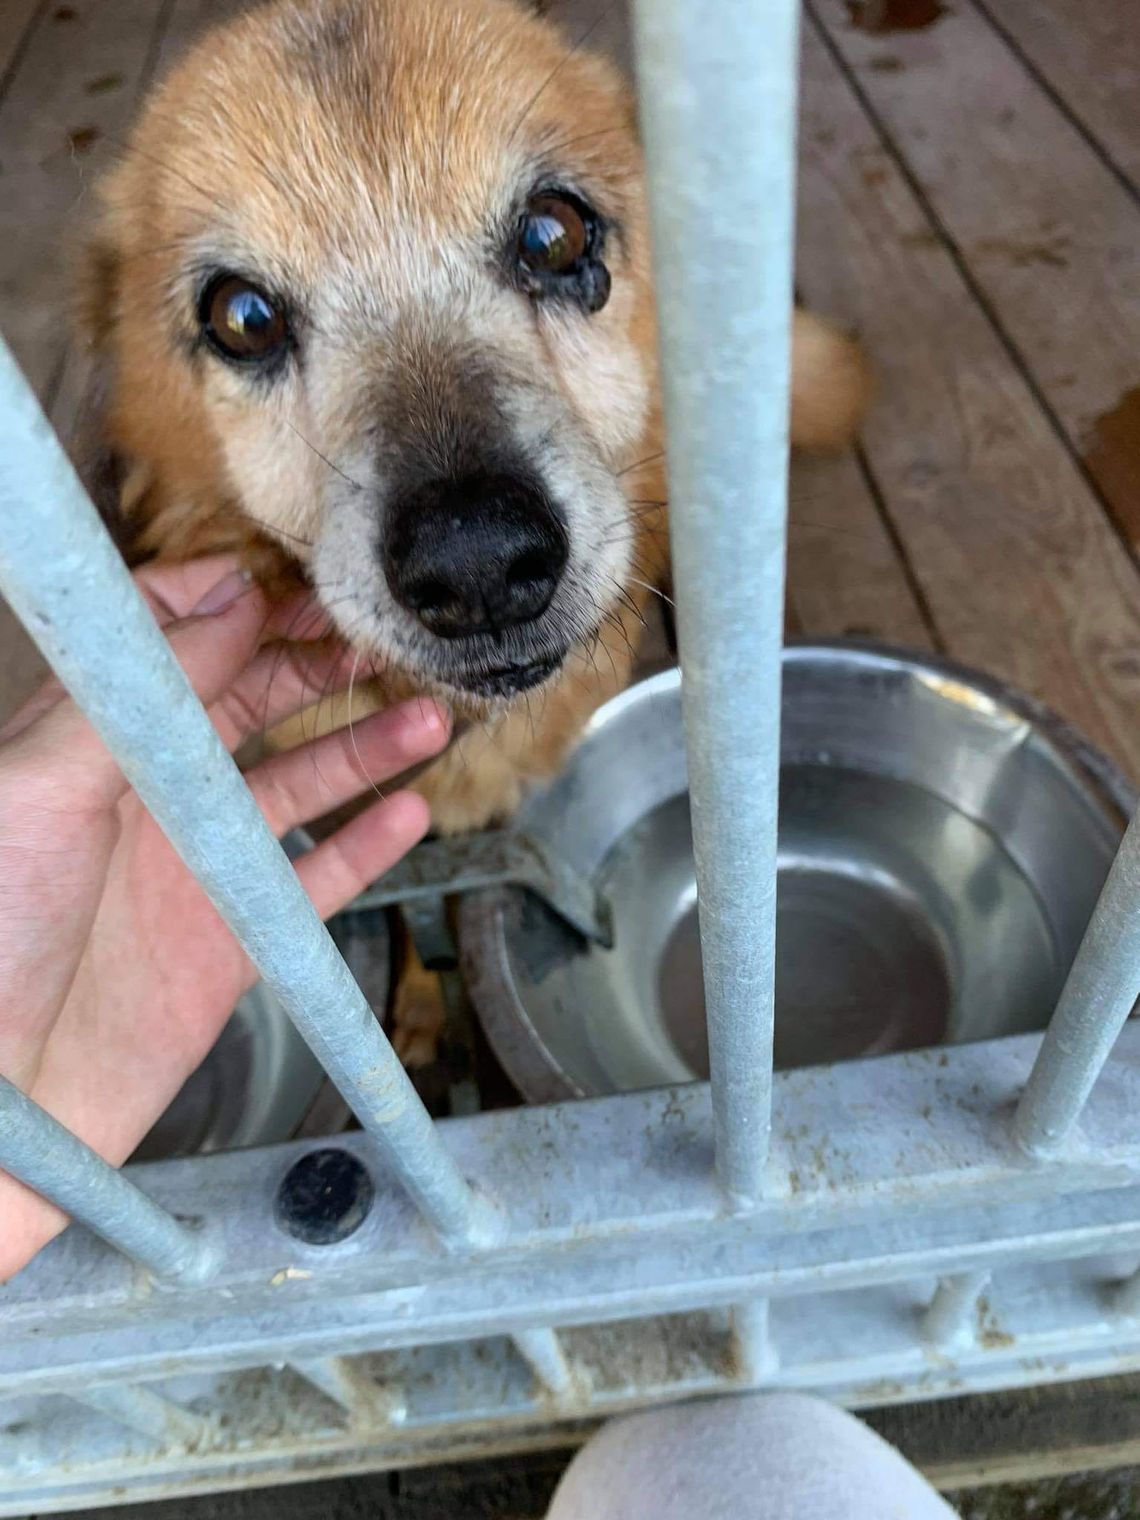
241, 322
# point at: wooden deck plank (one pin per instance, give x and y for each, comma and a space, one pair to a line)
1022, 571
177, 24
16, 21
1089, 56
72, 94
1043, 226
845, 577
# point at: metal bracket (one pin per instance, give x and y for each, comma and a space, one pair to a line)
498, 858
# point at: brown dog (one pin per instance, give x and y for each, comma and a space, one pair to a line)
370, 292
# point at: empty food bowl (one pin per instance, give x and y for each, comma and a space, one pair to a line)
942, 843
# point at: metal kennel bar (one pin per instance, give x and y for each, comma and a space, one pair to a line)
50, 1159
948, 1318
1100, 992
718, 108
147, 1412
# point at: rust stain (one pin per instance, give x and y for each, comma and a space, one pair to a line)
895, 15
1023, 253
990, 1333
1112, 456
885, 63
83, 139
875, 176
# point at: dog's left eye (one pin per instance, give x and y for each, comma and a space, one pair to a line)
241, 321
552, 236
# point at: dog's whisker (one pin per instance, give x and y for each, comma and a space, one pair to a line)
295, 538
575, 48
573, 142
356, 486
133, 148
640, 464
653, 590
352, 727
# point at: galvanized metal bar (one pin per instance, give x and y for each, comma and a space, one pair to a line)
340, 1380
718, 104
753, 1352
69, 587
147, 1412
1099, 994
951, 1312
47, 1157
543, 1353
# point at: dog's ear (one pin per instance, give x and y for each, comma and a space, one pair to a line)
90, 379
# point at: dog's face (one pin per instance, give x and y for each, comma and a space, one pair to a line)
377, 271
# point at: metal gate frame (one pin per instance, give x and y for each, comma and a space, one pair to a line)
522, 1274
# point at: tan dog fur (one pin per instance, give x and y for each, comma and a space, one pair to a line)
355, 152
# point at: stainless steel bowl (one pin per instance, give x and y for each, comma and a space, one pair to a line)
260, 1082
942, 843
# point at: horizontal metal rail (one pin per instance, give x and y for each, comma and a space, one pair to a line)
627, 1220
477, 1399
718, 106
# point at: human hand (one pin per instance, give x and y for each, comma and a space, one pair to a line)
116, 973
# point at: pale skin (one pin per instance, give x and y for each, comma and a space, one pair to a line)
116, 973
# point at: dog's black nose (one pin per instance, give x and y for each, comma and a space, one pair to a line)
475, 554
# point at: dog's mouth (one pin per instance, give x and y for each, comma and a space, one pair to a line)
508, 680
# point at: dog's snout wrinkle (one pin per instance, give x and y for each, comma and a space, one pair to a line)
475, 554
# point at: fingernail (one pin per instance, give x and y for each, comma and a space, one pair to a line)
424, 718
224, 594
435, 717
